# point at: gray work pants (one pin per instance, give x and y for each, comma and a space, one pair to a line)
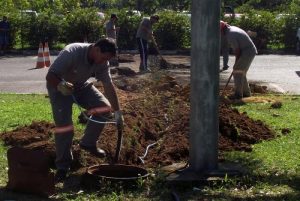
240, 70
87, 97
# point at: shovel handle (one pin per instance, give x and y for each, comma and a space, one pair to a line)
155, 44
119, 144
227, 83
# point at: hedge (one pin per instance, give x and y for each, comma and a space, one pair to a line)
172, 31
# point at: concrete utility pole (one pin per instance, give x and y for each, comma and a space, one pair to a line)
204, 121
204, 85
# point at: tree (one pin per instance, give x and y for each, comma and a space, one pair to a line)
175, 4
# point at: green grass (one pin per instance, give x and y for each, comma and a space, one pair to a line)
56, 46
3, 165
273, 171
18, 110
280, 155
275, 163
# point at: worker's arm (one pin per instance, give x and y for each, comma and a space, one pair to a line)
66, 88
147, 30
53, 79
62, 65
110, 92
225, 51
237, 53
110, 30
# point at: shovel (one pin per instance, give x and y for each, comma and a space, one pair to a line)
119, 144
162, 62
233, 72
223, 92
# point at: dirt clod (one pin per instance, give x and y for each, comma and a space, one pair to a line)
285, 131
276, 105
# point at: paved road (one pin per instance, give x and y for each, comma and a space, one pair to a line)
18, 75
278, 72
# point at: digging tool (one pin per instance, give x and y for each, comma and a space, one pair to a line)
117, 37
227, 83
233, 72
162, 62
119, 144
119, 129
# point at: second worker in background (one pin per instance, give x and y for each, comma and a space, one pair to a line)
245, 51
143, 36
111, 29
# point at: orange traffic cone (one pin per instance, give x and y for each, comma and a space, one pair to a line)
40, 60
47, 55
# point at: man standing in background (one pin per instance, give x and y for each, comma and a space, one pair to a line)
245, 51
111, 29
143, 36
4, 35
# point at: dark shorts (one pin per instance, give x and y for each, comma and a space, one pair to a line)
4, 40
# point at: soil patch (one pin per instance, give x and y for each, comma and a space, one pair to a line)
155, 110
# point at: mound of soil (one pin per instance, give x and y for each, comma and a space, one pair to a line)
156, 109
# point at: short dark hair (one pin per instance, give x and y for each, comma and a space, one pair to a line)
155, 17
107, 45
113, 16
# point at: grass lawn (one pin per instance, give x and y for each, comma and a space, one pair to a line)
272, 166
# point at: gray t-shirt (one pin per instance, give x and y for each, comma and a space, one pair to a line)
239, 39
111, 29
73, 66
141, 32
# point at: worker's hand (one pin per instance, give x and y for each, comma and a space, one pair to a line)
119, 119
225, 67
152, 38
155, 44
66, 88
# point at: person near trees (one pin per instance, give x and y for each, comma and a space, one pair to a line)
110, 27
143, 36
4, 35
67, 83
245, 51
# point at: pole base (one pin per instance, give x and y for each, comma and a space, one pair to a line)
190, 175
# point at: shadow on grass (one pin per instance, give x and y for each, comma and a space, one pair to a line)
249, 187
11, 195
198, 191
74, 189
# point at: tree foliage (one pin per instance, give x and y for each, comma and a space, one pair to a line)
270, 5
63, 6
83, 24
173, 30
66, 21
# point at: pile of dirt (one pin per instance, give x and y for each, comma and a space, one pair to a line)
156, 109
